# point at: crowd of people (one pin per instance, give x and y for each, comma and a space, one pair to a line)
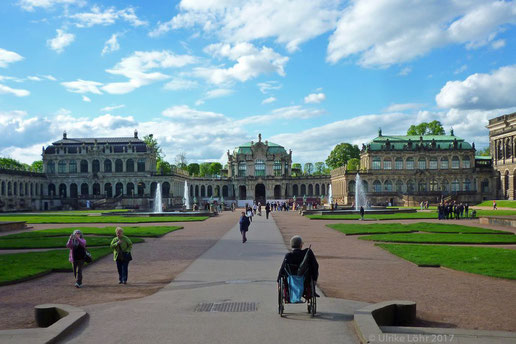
453, 210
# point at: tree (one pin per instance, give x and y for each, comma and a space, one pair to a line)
193, 169
12, 164
484, 152
340, 155
154, 145
181, 161
296, 169
353, 164
163, 167
319, 168
204, 169
308, 168
424, 128
37, 166
215, 168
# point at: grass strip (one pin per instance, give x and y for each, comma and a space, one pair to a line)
98, 219
488, 261
501, 203
379, 228
147, 231
444, 238
399, 216
21, 266
452, 228
55, 242
353, 229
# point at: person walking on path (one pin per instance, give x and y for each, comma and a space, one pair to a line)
494, 205
362, 212
121, 246
244, 226
249, 213
77, 245
267, 210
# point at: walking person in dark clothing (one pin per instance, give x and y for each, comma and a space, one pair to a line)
244, 226
362, 212
466, 209
267, 210
77, 245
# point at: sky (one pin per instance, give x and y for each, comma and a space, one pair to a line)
204, 76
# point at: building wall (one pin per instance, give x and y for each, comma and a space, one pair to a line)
21, 191
502, 143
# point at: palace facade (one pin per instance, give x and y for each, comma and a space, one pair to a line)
405, 170
502, 138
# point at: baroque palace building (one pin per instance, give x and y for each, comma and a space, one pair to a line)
406, 170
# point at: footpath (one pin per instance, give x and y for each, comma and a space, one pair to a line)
199, 305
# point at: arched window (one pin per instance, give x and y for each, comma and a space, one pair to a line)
421, 164
399, 164
203, 191
3, 188
445, 186
377, 186
303, 190
84, 166
51, 167
84, 189
141, 189
484, 185
455, 163
210, 191
197, 191
433, 185
410, 164
61, 166
410, 186
9, 189
365, 185
217, 191
165, 189
130, 189
387, 164
119, 165
445, 163
323, 189
51, 189
119, 189
96, 189
108, 190
352, 186
259, 168
376, 163
295, 190
310, 190
277, 167
15, 188
95, 166
455, 186
467, 184
317, 190
73, 190
399, 186
72, 166
433, 164
387, 186
129, 165
225, 191
141, 165
242, 169
421, 186
108, 166
466, 163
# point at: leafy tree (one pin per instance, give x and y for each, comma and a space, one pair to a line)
204, 169
308, 168
426, 128
215, 168
12, 164
353, 164
181, 161
37, 166
340, 155
319, 168
484, 152
153, 144
164, 167
193, 169
296, 169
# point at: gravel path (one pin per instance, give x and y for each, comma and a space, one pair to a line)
357, 270
156, 262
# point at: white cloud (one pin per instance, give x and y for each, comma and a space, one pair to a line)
86, 99
268, 86
111, 44
82, 86
315, 98
17, 92
216, 93
30, 5
34, 78
50, 77
61, 41
498, 44
180, 84
385, 32
269, 100
7, 57
481, 91
460, 69
111, 108
290, 22
137, 66
250, 62
405, 71
107, 17
403, 107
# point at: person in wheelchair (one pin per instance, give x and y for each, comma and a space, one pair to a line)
300, 262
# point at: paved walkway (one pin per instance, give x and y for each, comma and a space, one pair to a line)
229, 272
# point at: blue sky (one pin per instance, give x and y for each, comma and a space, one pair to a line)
206, 75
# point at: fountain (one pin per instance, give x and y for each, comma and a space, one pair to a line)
158, 205
186, 197
330, 196
360, 195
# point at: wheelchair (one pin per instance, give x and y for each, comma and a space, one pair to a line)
296, 289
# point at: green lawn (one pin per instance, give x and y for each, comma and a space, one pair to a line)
55, 242
378, 228
501, 203
147, 231
18, 266
488, 261
399, 216
446, 238
481, 212
98, 219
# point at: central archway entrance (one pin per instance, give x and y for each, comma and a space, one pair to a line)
259, 193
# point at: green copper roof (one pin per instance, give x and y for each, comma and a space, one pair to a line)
413, 142
482, 157
273, 148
